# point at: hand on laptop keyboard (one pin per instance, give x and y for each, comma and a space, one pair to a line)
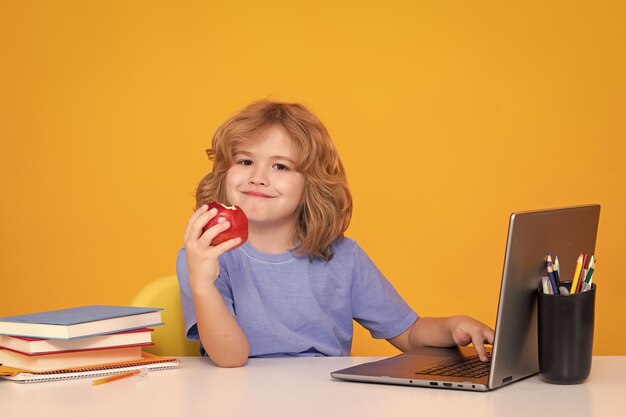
466, 330
445, 332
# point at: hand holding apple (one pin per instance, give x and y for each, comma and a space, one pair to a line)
237, 219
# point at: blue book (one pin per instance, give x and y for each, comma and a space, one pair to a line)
72, 323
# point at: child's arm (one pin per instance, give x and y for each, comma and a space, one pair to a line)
219, 332
445, 331
221, 335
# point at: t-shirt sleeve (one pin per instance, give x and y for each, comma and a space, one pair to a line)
186, 299
376, 305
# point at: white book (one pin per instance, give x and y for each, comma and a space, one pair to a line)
33, 345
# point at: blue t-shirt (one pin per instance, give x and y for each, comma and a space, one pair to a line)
291, 305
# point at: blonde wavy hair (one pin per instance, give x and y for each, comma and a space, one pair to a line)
326, 208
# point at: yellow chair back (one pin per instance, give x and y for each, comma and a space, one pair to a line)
169, 338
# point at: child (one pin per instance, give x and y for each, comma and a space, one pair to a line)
294, 288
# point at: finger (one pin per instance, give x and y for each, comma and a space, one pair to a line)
203, 208
461, 337
210, 234
489, 335
478, 340
197, 221
228, 245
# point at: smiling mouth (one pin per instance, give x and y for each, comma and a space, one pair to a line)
255, 194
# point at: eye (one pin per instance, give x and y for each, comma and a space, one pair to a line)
245, 162
281, 167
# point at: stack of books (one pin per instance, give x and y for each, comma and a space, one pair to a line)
86, 341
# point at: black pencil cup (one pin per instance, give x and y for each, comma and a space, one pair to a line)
566, 335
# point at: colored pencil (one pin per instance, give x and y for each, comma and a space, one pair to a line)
579, 267
592, 267
115, 377
553, 280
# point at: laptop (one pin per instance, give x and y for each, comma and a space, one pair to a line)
565, 232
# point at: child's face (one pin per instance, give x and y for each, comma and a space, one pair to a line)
263, 180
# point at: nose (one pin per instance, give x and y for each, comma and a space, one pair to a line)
258, 178
254, 181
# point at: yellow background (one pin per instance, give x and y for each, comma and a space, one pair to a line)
448, 115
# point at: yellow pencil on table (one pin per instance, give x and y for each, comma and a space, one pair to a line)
579, 267
115, 377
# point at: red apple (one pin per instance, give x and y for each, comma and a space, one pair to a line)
238, 223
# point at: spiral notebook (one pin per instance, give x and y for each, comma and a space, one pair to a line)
148, 362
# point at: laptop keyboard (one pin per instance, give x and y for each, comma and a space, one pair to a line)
470, 367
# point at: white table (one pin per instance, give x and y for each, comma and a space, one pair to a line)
303, 387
